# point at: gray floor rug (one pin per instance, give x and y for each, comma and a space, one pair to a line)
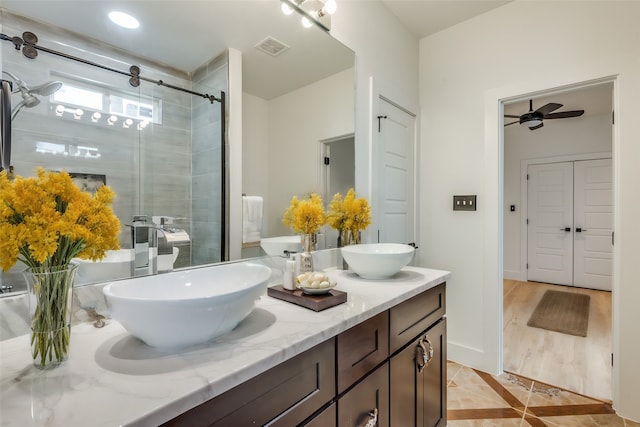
565, 312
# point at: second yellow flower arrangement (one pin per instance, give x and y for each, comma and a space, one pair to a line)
349, 215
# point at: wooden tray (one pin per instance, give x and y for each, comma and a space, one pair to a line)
313, 302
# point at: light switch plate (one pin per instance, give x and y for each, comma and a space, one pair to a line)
464, 203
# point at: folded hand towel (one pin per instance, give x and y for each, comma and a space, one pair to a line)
251, 218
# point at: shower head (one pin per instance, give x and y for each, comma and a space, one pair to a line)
29, 98
46, 89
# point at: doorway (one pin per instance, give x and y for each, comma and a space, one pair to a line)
337, 175
586, 138
569, 223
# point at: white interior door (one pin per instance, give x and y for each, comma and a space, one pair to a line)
593, 216
550, 228
395, 177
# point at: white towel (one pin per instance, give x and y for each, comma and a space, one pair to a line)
251, 218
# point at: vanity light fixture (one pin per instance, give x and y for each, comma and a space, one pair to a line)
311, 10
127, 123
95, 117
124, 20
60, 110
112, 119
77, 114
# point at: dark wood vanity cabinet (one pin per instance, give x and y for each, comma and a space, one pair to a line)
388, 371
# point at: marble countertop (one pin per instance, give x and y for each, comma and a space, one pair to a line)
112, 378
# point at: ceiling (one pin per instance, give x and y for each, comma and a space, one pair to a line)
594, 100
208, 27
185, 34
426, 17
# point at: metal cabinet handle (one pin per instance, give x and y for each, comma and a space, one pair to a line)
580, 230
373, 418
566, 229
424, 354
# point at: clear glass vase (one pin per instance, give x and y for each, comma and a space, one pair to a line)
347, 237
50, 309
306, 260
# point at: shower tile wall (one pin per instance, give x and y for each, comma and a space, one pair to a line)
150, 169
206, 189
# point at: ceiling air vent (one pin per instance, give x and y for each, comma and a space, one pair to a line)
272, 46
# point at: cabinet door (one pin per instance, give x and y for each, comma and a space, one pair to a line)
418, 390
367, 400
326, 418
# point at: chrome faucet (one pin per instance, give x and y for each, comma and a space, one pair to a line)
144, 239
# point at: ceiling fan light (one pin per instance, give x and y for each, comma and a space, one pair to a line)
532, 123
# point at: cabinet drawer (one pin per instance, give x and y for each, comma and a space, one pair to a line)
369, 395
413, 316
361, 349
285, 395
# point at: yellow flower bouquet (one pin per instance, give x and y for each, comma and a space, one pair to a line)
349, 215
45, 221
305, 216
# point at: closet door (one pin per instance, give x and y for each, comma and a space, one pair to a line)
550, 228
593, 219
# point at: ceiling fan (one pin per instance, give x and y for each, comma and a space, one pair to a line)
533, 119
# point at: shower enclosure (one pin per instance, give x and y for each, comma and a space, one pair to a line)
160, 149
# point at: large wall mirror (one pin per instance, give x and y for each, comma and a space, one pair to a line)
162, 150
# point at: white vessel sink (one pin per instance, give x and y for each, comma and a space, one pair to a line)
275, 246
117, 265
377, 260
183, 308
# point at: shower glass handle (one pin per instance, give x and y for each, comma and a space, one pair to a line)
5, 112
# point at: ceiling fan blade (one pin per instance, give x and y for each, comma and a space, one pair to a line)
512, 116
564, 114
537, 127
546, 109
512, 123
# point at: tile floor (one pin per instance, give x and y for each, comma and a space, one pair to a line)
477, 399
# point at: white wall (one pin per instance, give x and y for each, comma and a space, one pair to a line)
558, 138
255, 142
387, 64
281, 141
465, 71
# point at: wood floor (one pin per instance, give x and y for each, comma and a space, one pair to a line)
578, 364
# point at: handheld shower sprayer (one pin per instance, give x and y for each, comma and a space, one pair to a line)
30, 96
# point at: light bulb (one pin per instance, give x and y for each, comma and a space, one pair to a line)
286, 9
95, 117
306, 23
78, 114
124, 20
112, 119
330, 7
60, 110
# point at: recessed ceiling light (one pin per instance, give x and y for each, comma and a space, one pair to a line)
124, 20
